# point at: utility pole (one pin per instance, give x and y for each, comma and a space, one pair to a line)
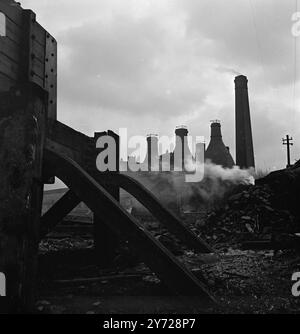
288, 142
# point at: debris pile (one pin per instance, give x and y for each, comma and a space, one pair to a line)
247, 214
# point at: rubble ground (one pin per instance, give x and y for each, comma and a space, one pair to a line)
241, 281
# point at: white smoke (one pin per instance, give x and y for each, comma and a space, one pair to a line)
217, 182
224, 69
171, 187
234, 175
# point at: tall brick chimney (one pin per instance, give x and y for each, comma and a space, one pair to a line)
182, 153
152, 152
244, 141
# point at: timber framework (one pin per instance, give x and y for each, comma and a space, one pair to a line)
35, 147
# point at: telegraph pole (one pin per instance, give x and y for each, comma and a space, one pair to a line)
288, 142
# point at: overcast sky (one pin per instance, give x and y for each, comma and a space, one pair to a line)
149, 65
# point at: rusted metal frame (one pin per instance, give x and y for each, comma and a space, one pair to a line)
179, 279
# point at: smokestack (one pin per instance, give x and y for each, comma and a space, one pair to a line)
152, 152
217, 152
244, 141
182, 152
216, 130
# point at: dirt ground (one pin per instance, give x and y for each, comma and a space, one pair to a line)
241, 281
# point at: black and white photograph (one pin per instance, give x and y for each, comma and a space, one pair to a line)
149, 160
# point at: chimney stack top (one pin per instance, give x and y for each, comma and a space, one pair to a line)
216, 121
152, 135
181, 131
216, 129
241, 81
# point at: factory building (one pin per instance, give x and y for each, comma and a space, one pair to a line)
217, 152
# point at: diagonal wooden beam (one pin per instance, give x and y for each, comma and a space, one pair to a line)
179, 279
58, 212
165, 216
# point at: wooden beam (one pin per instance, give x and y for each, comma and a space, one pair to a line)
28, 53
166, 217
81, 149
12, 10
70, 142
22, 135
58, 212
179, 279
50, 83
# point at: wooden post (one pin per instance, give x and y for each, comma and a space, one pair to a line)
22, 135
288, 142
105, 241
